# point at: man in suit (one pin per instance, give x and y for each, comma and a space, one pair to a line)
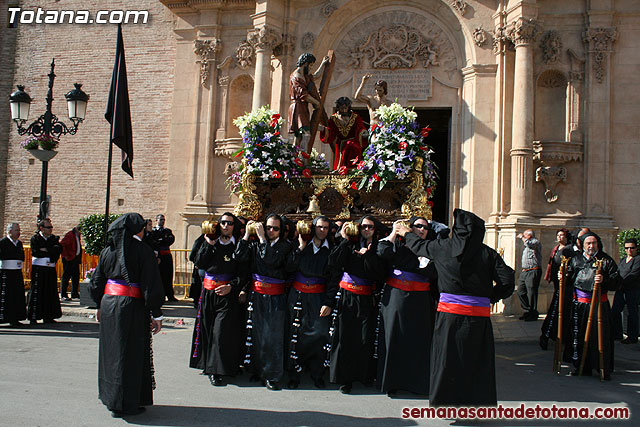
71, 259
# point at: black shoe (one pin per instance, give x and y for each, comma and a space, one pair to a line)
216, 380
33, 322
293, 384
50, 321
16, 324
120, 414
524, 316
629, 341
531, 317
172, 299
272, 385
254, 378
75, 296
319, 383
345, 388
392, 393
544, 342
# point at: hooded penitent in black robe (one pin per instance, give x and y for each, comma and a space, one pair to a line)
267, 306
463, 354
163, 239
406, 322
549, 326
125, 368
355, 313
581, 274
12, 303
196, 280
309, 333
217, 336
43, 301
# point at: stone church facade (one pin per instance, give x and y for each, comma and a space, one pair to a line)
536, 103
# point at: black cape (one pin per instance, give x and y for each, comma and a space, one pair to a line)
463, 353
125, 379
406, 326
43, 301
12, 302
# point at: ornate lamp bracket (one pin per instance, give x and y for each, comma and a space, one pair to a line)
552, 155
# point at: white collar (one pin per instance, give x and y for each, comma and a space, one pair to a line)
43, 236
135, 236
15, 242
316, 249
275, 241
231, 240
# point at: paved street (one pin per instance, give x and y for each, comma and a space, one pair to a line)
48, 377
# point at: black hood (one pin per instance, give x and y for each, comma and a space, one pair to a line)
468, 232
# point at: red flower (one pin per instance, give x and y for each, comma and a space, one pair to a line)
274, 120
304, 154
277, 133
342, 170
276, 174
361, 164
376, 177
374, 126
354, 185
259, 145
306, 173
298, 162
429, 192
424, 148
430, 203
240, 153
402, 145
425, 131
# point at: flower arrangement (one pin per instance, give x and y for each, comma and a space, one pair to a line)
267, 153
395, 143
89, 273
45, 142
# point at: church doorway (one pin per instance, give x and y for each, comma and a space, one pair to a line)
439, 139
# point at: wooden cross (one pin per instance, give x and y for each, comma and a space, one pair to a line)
319, 114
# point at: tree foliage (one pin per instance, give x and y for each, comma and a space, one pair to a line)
632, 233
92, 230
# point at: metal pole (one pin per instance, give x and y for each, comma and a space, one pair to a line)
44, 205
106, 208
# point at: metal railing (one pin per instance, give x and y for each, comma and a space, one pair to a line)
182, 268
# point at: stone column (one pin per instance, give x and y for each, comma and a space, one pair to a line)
263, 40
522, 33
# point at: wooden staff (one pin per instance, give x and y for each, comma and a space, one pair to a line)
557, 356
600, 337
319, 115
585, 346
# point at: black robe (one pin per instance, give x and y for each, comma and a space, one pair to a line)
581, 275
352, 343
43, 301
125, 378
265, 340
463, 353
217, 335
406, 327
12, 302
196, 281
163, 238
309, 333
549, 326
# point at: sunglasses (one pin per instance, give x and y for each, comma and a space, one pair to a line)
47, 226
626, 248
419, 226
274, 228
366, 226
226, 222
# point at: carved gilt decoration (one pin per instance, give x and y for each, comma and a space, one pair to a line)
248, 204
459, 5
551, 46
244, 54
522, 31
341, 184
205, 50
479, 36
600, 42
264, 38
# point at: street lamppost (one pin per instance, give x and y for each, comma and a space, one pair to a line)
47, 125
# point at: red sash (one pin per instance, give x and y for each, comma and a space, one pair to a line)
357, 289
268, 288
113, 288
465, 305
164, 252
210, 284
312, 288
408, 285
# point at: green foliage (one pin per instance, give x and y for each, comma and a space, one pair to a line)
92, 230
627, 234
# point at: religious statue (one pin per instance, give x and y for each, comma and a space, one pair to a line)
302, 91
346, 134
373, 102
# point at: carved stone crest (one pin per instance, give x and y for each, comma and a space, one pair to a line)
551, 46
459, 5
263, 38
479, 36
551, 176
205, 51
244, 54
600, 41
307, 41
522, 31
328, 8
398, 46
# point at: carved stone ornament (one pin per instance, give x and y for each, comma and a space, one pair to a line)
479, 36
600, 41
500, 40
551, 46
459, 5
551, 176
244, 54
522, 31
205, 51
287, 46
399, 46
264, 38
307, 41
552, 79
328, 8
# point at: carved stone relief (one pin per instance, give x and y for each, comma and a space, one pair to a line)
552, 79
551, 46
552, 155
328, 8
522, 31
245, 54
205, 51
263, 38
500, 40
600, 42
479, 36
459, 5
551, 176
576, 79
379, 42
287, 46
307, 41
